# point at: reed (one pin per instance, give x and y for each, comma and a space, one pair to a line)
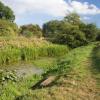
10, 54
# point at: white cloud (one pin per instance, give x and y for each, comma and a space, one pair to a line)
54, 8
85, 8
51, 7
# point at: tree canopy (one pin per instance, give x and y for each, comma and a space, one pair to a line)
6, 12
70, 31
31, 30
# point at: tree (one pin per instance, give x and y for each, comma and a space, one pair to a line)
98, 35
70, 31
90, 31
51, 28
63, 32
73, 18
6, 13
31, 30
71, 36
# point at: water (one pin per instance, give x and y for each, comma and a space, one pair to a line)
23, 69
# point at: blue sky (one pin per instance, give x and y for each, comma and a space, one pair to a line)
41, 11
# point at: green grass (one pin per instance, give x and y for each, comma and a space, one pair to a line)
45, 62
11, 90
76, 78
77, 72
26, 50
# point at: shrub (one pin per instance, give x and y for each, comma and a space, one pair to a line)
31, 31
8, 28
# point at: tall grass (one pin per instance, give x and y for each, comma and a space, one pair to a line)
10, 54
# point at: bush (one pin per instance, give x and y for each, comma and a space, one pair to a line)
8, 28
64, 33
70, 31
31, 31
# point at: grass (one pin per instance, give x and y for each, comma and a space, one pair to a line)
11, 90
13, 50
76, 78
96, 63
77, 72
45, 62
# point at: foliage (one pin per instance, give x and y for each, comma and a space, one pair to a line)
98, 35
8, 28
31, 30
70, 31
10, 53
6, 13
6, 76
64, 33
74, 73
73, 18
90, 31
14, 89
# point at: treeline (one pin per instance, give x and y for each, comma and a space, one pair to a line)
71, 30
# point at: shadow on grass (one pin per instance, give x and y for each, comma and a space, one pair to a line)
96, 58
95, 69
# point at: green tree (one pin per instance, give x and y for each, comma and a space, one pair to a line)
63, 32
73, 18
31, 30
70, 31
90, 31
6, 12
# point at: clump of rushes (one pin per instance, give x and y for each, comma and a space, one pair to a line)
10, 54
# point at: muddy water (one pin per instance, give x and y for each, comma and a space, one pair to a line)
23, 69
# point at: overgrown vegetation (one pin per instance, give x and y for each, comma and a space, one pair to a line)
8, 28
75, 78
31, 31
71, 71
70, 31
12, 53
72, 74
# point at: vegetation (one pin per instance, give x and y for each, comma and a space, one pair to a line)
77, 78
8, 28
71, 71
31, 30
6, 13
12, 53
65, 50
70, 31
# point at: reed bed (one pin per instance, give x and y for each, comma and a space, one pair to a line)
9, 52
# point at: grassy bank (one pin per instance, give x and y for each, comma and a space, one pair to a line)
26, 50
77, 78
77, 75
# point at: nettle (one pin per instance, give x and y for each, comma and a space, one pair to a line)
6, 76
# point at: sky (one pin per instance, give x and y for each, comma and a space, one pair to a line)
41, 11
